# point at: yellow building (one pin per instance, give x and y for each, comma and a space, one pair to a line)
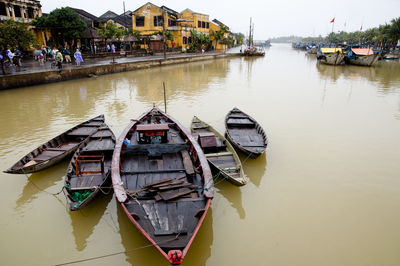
23, 12
149, 18
214, 27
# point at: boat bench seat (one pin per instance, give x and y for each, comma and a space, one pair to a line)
240, 122
85, 181
58, 149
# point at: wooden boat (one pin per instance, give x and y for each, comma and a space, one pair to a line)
331, 56
56, 149
162, 179
89, 171
362, 57
390, 57
251, 49
219, 152
245, 133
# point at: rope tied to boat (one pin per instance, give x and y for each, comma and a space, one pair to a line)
216, 176
34, 184
118, 253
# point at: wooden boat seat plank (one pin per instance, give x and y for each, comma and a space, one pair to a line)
102, 134
58, 149
187, 162
100, 145
85, 181
240, 122
45, 155
94, 123
69, 145
82, 131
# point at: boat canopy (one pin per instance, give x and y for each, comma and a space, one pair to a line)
331, 50
362, 51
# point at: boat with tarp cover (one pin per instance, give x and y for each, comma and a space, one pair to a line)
163, 182
219, 152
362, 56
89, 171
331, 56
56, 149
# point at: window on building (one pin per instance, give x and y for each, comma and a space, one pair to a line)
17, 11
190, 40
208, 25
158, 21
171, 22
30, 12
199, 24
184, 40
203, 24
139, 21
3, 11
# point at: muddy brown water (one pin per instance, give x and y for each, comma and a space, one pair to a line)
327, 191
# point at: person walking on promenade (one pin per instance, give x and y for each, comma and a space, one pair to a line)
17, 59
108, 48
203, 48
78, 57
113, 48
67, 55
54, 52
60, 59
44, 53
2, 64
41, 59
95, 48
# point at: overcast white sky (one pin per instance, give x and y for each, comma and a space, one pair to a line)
272, 18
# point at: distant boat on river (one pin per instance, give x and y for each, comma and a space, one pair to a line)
362, 56
251, 49
331, 56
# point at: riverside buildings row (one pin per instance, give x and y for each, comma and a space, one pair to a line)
147, 20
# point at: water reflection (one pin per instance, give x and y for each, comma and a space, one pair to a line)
385, 74
188, 80
234, 195
255, 169
133, 241
84, 221
40, 181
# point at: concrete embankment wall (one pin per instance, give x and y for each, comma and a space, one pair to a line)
28, 79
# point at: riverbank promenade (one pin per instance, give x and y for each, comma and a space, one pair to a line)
33, 73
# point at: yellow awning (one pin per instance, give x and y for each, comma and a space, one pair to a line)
330, 50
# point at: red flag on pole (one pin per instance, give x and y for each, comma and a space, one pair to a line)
333, 20
361, 28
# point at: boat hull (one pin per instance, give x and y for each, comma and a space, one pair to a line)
332, 59
89, 172
366, 60
214, 158
56, 149
235, 132
170, 224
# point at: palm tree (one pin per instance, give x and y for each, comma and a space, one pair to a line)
219, 34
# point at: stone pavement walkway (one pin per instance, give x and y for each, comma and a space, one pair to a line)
32, 66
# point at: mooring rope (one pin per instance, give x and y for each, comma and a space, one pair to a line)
33, 183
215, 177
116, 253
